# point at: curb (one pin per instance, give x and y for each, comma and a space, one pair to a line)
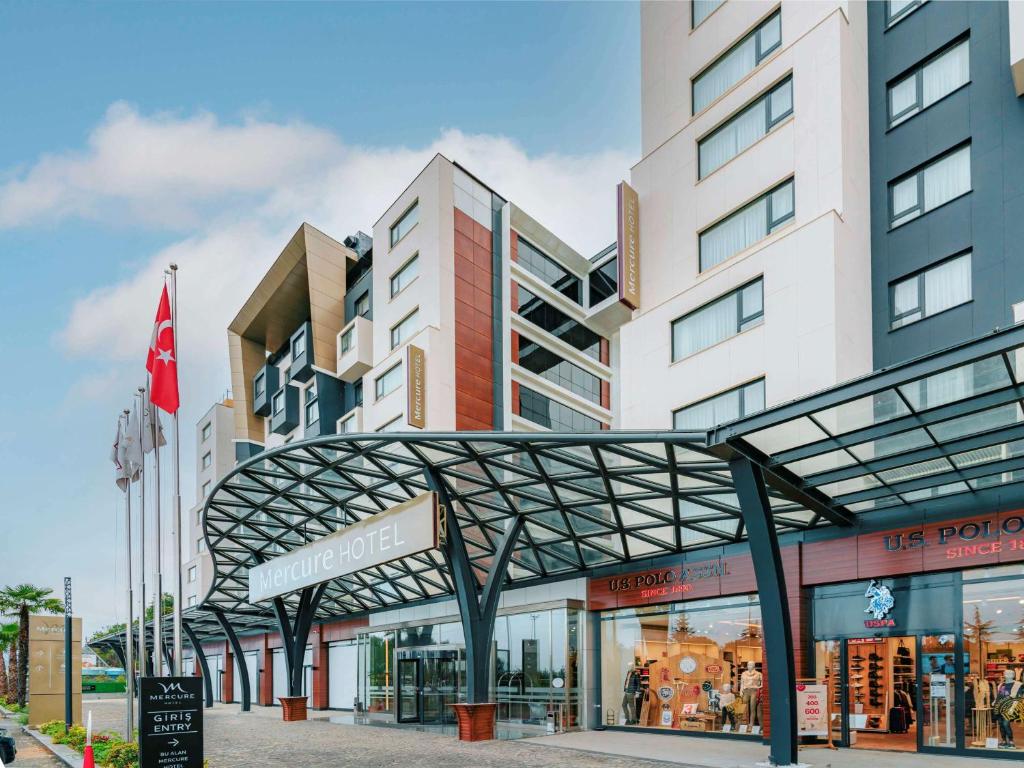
66, 755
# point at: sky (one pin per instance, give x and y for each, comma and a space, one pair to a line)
136, 134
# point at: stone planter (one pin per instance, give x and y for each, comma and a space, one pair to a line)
294, 707
476, 721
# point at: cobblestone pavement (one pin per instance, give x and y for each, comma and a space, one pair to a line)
260, 738
31, 754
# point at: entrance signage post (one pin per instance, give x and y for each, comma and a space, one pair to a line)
170, 722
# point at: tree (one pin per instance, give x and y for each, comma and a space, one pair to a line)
978, 631
22, 600
8, 638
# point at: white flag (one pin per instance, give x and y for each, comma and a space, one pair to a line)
131, 454
116, 454
151, 428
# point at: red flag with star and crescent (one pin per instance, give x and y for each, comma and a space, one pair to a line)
161, 361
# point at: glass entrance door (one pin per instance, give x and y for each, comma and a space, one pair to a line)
440, 687
408, 690
938, 678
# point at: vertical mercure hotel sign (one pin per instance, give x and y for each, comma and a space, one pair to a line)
407, 529
629, 246
416, 387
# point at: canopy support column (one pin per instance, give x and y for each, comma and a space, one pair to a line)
771, 587
198, 649
296, 635
477, 612
236, 649
118, 649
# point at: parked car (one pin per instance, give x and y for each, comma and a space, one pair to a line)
7, 748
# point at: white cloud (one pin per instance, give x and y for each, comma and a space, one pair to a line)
247, 188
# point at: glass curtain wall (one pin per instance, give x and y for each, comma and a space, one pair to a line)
695, 666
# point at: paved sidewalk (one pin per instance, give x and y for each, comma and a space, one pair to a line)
31, 754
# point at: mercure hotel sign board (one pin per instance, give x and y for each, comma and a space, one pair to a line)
407, 529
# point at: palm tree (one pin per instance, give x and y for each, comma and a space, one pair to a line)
22, 600
8, 638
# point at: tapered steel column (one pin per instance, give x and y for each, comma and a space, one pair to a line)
236, 649
295, 635
771, 588
477, 608
198, 649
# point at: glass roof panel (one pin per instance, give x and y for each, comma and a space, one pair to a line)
973, 423
887, 446
957, 384
823, 462
871, 504
850, 485
857, 414
935, 491
1001, 478
914, 471
790, 434
988, 454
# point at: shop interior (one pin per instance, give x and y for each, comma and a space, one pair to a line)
685, 667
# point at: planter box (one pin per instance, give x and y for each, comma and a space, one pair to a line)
476, 721
294, 707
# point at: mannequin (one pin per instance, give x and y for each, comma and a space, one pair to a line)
630, 693
750, 685
726, 700
1005, 708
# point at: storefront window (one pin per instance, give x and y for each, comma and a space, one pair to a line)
993, 684
694, 666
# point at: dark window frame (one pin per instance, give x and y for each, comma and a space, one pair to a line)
740, 389
743, 322
770, 124
921, 307
917, 72
310, 400
693, 15
919, 173
378, 381
391, 332
414, 259
891, 19
394, 228
772, 223
759, 56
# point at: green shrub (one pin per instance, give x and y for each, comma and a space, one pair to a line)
23, 718
123, 755
52, 727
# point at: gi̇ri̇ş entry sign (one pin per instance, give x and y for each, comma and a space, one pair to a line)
171, 722
407, 529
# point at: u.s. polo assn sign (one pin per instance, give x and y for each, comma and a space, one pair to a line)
407, 529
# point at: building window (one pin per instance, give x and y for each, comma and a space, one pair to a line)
199, 516
299, 346
556, 416
405, 328
200, 545
930, 291
362, 305
701, 9
258, 386
192, 574
348, 425
548, 270
732, 66
388, 381
192, 600
312, 406
207, 430
557, 323
719, 409
722, 318
551, 366
745, 127
346, 340
392, 426
206, 488
278, 405
207, 459
357, 392
604, 281
698, 647
934, 80
742, 229
900, 9
409, 272
940, 181
407, 221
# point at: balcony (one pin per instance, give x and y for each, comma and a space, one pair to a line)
264, 384
355, 349
302, 353
284, 411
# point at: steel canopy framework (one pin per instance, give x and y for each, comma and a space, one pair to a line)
587, 501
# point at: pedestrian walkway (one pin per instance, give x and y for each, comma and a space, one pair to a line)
732, 753
31, 754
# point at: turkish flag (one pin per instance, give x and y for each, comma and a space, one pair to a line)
161, 361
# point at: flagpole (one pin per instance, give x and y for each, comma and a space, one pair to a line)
151, 422
129, 672
176, 531
143, 645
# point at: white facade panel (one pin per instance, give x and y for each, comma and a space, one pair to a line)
342, 667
